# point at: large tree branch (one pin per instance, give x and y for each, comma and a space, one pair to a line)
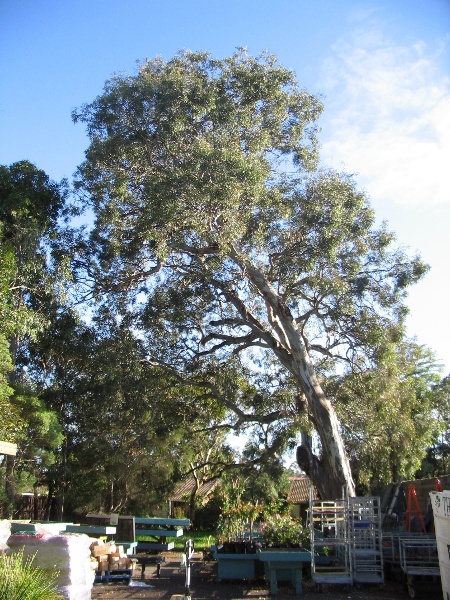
253, 322
244, 341
214, 392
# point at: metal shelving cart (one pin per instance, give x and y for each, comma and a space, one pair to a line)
330, 556
365, 537
391, 549
418, 559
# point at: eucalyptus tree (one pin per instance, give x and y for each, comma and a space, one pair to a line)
211, 215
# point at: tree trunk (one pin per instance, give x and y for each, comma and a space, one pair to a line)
331, 473
35, 503
10, 488
192, 507
48, 502
193, 498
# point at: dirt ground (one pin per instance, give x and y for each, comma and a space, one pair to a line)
205, 586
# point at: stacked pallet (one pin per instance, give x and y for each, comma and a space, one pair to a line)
111, 562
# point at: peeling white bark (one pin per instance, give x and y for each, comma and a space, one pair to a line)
332, 472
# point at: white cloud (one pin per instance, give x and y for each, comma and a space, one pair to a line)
387, 120
388, 117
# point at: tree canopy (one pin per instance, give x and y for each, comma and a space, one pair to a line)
30, 207
215, 228
388, 414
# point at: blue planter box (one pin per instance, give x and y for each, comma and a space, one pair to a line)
236, 566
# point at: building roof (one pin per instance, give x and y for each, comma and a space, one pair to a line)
299, 490
184, 489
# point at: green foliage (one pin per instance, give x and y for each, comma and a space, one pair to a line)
437, 461
30, 205
202, 540
28, 199
207, 515
9, 421
388, 415
42, 433
19, 580
223, 268
282, 530
272, 522
123, 420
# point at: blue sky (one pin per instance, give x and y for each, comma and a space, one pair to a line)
382, 69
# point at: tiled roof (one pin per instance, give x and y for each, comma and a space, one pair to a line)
184, 488
299, 490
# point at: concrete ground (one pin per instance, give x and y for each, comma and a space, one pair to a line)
206, 586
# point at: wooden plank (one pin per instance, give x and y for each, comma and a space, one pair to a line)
8, 448
91, 529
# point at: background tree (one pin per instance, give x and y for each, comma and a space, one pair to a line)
387, 415
119, 430
9, 419
437, 460
30, 206
202, 177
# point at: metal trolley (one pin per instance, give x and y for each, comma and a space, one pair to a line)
330, 555
365, 538
346, 541
418, 558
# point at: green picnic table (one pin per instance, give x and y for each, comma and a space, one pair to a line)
159, 528
92, 530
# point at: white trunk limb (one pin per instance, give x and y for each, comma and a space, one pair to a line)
332, 472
